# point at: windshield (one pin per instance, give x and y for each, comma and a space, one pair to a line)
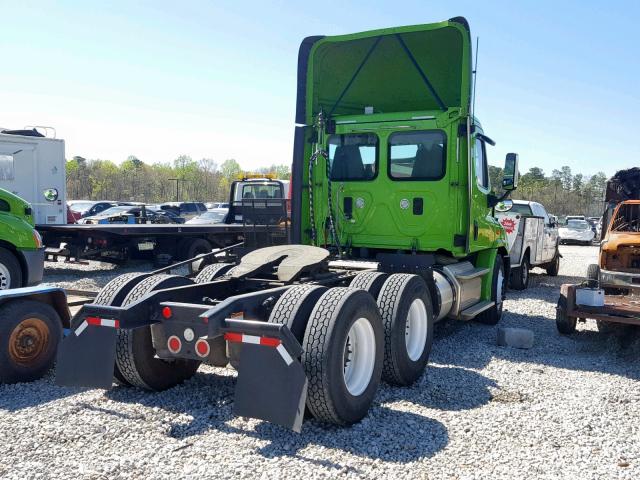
627, 219
215, 217
578, 225
261, 190
115, 210
80, 206
520, 208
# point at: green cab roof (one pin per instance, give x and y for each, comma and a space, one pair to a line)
401, 69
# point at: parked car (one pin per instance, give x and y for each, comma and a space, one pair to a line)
186, 210
533, 239
130, 214
576, 231
212, 205
90, 208
216, 215
596, 226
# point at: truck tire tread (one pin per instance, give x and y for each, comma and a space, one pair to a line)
319, 337
369, 281
213, 271
128, 344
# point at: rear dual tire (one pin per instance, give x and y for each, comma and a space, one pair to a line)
135, 354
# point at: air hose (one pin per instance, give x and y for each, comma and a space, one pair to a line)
320, 152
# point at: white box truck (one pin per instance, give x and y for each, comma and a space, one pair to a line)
32, 166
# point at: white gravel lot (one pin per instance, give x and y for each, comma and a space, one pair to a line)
567, 408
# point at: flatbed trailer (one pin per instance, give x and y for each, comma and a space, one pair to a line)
621, 309
118, 242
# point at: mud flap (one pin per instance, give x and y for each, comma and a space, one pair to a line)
87, 359
270, 388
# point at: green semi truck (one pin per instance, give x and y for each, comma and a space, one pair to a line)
393, 230
21, 249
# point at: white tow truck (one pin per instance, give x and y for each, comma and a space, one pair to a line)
533, 239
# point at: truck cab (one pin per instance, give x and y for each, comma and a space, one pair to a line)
389, 157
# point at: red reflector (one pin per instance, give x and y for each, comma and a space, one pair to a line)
233, 337
269, 342
93, 320
166, 312
202, 348
174, 344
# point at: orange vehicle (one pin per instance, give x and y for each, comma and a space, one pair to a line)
619, 262
611, 294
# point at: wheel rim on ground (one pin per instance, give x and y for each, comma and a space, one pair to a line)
415, 336
5, 277
28, 340
359, 356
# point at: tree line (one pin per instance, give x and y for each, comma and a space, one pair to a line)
134, 180
561, 193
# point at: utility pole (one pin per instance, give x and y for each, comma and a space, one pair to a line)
177, 180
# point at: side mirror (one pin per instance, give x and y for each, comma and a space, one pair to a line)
504, 205
510, 178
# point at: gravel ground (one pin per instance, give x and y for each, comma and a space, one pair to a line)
567, 408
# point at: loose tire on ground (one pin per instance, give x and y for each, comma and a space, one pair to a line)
10, 271
370, 282
520, 275
213, 271
113, 294
407, 316
554, 266
331, 362
498, 289
135, 355
29, 335
294, 308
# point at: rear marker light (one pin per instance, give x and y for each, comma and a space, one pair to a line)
174, 344
166, 312
189, 335
202, 348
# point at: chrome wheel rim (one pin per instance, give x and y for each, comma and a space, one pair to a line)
415, 335
499, 288
5, 277
359, 356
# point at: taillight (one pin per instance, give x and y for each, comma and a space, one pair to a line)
202, 348
174, 344
166, 312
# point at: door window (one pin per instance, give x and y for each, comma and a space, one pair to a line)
480, 161
417, 155
353, 156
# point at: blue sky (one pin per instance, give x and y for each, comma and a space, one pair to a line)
557, 81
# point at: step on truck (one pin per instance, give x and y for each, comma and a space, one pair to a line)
392, 218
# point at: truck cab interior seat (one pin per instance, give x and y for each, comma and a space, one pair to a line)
428, 162
347, 163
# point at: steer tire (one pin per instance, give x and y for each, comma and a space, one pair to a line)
113, 294
10, 270
30, 332
403, 295
553, 267
135, 354
369, 281
493, 315
294, 308
213, 271
520, 275
325, 345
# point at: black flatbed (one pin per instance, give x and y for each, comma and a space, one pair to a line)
154, 229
